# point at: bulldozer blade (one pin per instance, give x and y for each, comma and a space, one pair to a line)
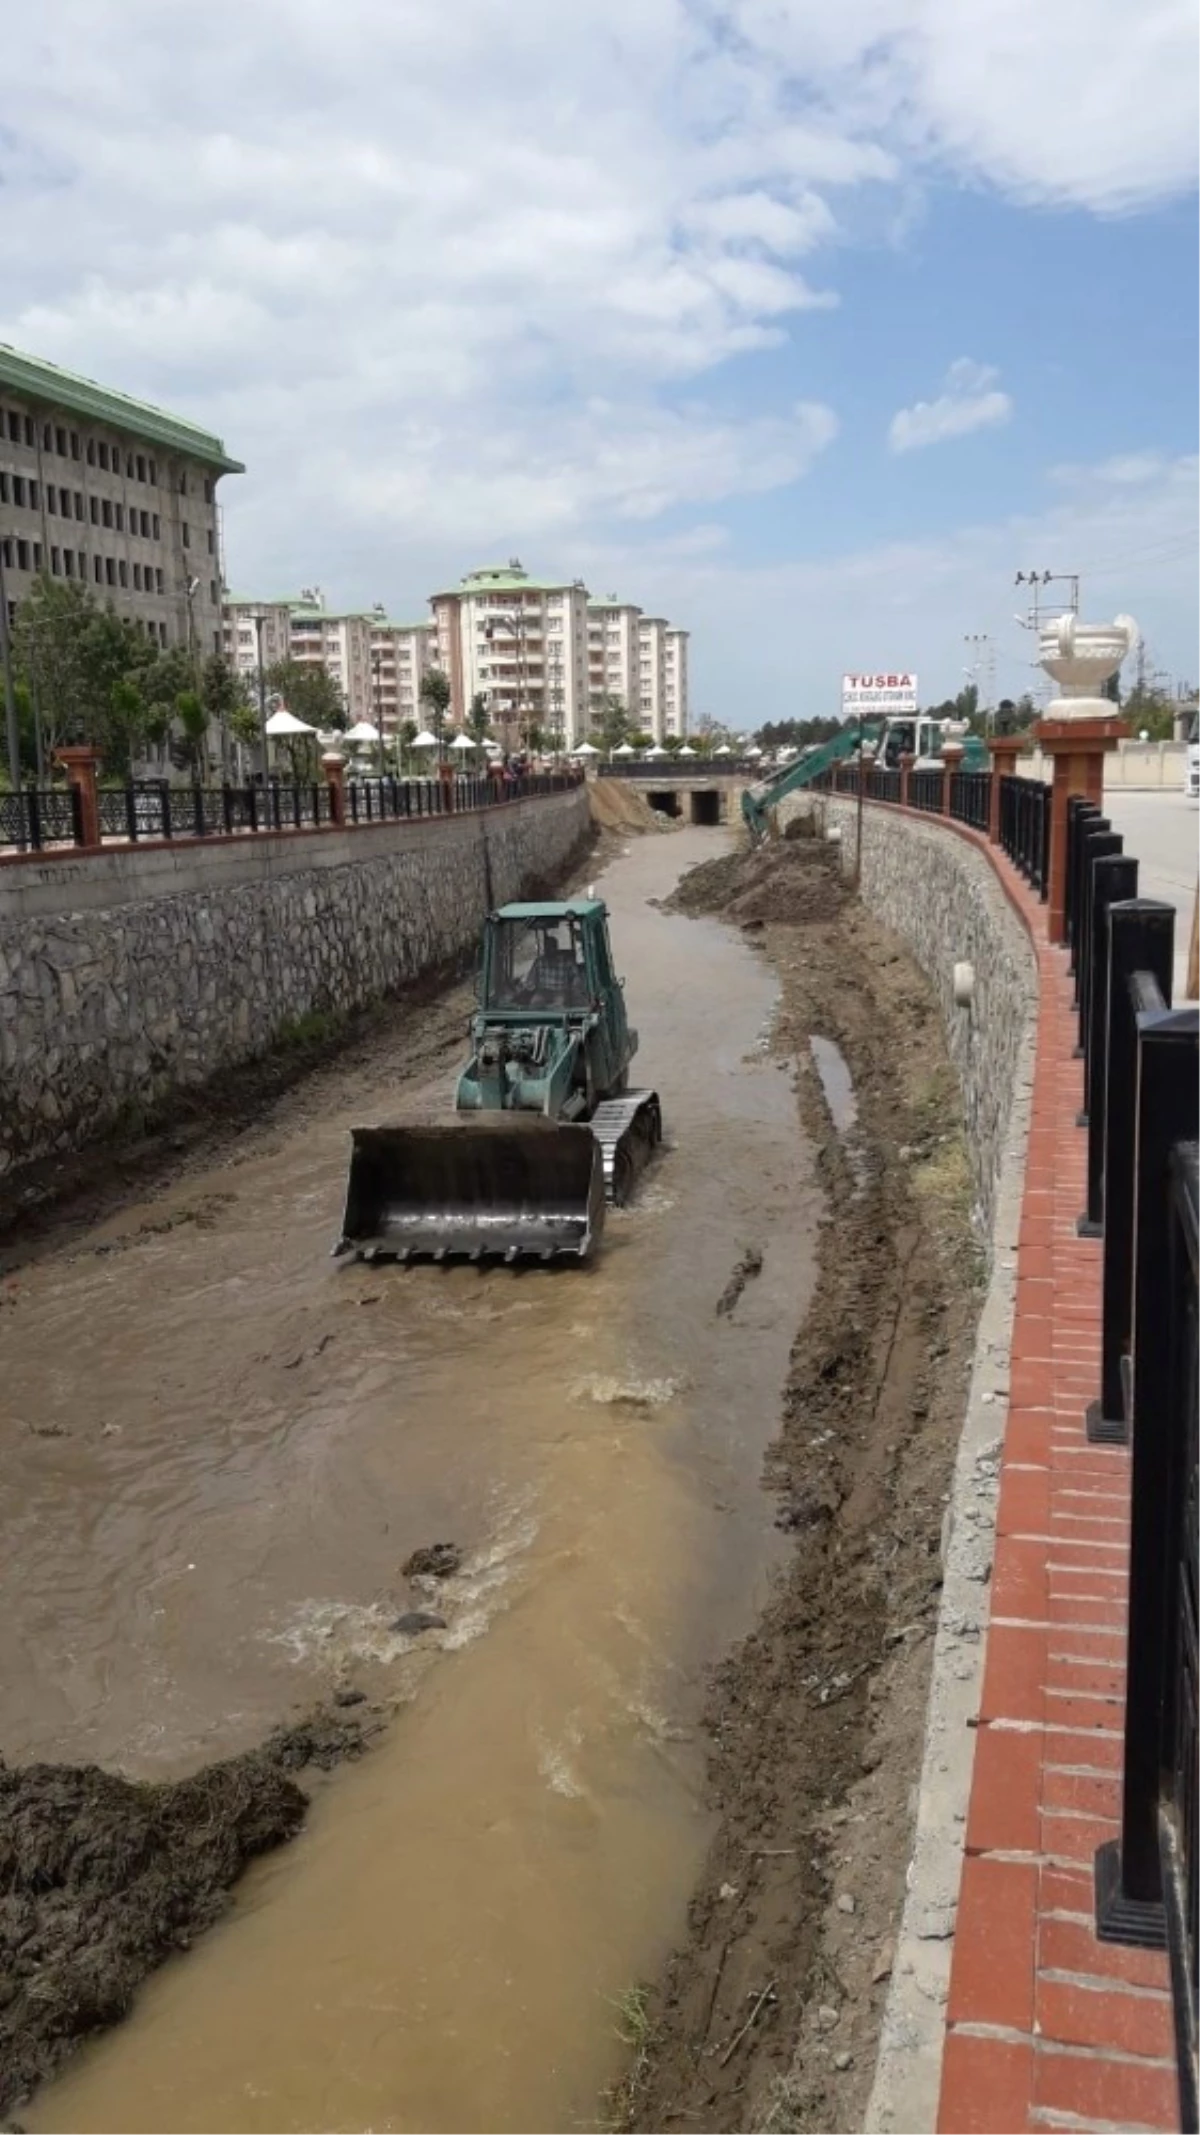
492, 1188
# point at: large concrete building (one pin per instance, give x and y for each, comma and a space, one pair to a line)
112, 494
642, 659
378, 665
520, 643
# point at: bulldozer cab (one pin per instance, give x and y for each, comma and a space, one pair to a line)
536, 960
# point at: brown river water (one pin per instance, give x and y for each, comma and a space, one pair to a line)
254, 1437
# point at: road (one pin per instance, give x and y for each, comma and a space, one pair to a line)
1160, 829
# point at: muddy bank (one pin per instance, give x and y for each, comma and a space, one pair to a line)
767, 2016
101, 1878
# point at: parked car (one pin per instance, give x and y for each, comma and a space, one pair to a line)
1192, 788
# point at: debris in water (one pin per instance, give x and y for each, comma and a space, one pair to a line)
104, 1877
836, 1083
415, 1620
627, 1393
438, 1560
749, 1265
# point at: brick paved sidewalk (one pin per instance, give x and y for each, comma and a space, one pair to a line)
1047, 2027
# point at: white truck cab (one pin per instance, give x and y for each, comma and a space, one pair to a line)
1192, 788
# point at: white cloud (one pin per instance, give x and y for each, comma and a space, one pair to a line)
449, 285
970, 400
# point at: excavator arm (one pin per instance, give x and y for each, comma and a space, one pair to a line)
757, 801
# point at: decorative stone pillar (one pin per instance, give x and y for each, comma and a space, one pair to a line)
446, 775
334, 767
82, 766
1079, 728
1004, 747
907, 760
952, 756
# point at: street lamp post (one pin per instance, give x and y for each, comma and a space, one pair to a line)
264, 739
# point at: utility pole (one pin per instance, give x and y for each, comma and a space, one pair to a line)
1033, 620
983, 672
10, 700
264, 739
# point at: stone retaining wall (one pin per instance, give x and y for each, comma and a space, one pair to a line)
943, 899
201, 958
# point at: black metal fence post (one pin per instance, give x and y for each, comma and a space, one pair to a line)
1141, 937
1080, 814
1128, 1871
1104, 845
1114, 880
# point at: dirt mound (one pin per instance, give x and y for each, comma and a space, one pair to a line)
101, 1878
767, 2017
796, 882
615, 805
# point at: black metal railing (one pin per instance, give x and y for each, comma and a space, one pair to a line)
1025, 805
883, 784
1141, 1064
971, 797
925, 791
37, 818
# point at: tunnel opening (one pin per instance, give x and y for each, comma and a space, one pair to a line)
706, 808
664, 803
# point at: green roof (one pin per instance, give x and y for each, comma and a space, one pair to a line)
507, 578
55, 388
386, 622
551, 911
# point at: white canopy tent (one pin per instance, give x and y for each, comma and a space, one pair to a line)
362, 730
284, 723
625, 748
462, 744
425, 740
685, 751
585, 748
656, 751
724, 750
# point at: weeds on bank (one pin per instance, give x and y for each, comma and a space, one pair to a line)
635, 2030
317, 1026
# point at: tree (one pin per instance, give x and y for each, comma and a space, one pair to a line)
192, 716
611, 722
310, 693
435, 696
477, 717
222, 690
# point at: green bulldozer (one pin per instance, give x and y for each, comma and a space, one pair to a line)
547, 1131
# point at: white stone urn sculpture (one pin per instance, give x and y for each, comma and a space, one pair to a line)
1080, 657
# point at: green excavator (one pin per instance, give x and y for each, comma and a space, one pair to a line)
548, 1131
919, 735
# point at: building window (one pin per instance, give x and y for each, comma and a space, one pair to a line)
30, 432
18, 489
102, 449
157, 523
119, 517
208, 492
3, 487
79, 510
91, 452
210, 541
98, 569
37, 555
141, 467
94, 510
14, 428
110, 571
106, 511
55, 564
137, 578
212, 591
123, 572
47, 437
183, 483
183, 528
69, 562
74, 444
152, 474
22, 555
51, 499
60, 441
158, 586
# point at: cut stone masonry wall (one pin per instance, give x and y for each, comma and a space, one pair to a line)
123, 976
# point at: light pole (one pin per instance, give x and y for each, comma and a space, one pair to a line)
264, 739
376, 673
10, 700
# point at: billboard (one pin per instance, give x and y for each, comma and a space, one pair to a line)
874, 695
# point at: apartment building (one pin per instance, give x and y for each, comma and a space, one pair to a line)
521, 643
113, 494
401, 657
613, 653
675, 680
647, 701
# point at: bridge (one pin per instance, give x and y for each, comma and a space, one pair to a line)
702, 790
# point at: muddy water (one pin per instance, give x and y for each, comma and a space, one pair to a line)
253, 1439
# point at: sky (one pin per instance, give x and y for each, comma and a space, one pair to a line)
807, 326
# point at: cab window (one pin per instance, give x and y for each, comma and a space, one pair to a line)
537, 963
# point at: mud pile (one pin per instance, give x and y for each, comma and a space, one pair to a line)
794, 881
768, 2014
101, 1878
618, 806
